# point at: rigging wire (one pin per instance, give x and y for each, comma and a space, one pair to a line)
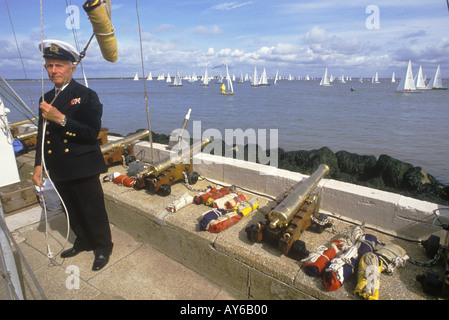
75, 38
144, 86
20, 55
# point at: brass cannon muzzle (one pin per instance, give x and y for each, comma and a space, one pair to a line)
284, 212
105, 148
176, 158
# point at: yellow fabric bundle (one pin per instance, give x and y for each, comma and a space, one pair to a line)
247, 207
368, 277
103, 29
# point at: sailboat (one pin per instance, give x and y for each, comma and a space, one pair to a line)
150, 77
177, 82
205, 79
136, 77
230, 87
420, 84
241, 80
168, 78
325, 80
263, 81
255, 82
276, 78
436, 83
376, 78
407, 83
393, 78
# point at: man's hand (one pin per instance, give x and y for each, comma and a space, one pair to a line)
37, 176
51, 113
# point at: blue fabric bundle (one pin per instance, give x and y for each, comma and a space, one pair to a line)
209, 216
344, 266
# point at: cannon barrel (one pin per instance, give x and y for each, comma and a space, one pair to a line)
124, 141
21, 122
175, 158
284, 212
26, 135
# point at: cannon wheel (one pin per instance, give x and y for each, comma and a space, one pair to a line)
298, 250
321, 227
192, 177
164, 190
252, 232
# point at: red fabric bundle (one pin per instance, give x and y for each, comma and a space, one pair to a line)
201, 199
320, 259
235, 201
224, 222
220, 193
125, 180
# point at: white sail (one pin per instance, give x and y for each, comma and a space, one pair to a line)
230, 87
420, 84
263, 81
376, 78
177, 82
241, 77
205, 79
150, 77
325, 80
255, 82
407, 84
136, 77
393, 78
168, 77
276, 78
436, 82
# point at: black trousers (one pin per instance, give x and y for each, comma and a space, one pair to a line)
84, 200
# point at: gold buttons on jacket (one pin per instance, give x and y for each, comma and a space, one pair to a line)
66, 150
49, 151
65, 141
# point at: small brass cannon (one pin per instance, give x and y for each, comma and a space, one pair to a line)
159, 177
285, 223
114, 151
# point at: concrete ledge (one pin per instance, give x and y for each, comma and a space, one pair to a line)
394, 213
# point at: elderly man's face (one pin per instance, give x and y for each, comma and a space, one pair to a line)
59, 71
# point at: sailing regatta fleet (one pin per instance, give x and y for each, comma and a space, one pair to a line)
407, 84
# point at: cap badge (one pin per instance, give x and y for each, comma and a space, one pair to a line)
54, 48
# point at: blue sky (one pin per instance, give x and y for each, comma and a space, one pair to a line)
294, 37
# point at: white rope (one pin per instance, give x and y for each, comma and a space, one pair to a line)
50, 254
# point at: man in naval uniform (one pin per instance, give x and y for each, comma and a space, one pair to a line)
72, 154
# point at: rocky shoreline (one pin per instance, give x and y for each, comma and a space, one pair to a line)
382, 173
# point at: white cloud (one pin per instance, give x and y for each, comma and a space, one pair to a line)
231, 5
165, 28
316, 35
208, 31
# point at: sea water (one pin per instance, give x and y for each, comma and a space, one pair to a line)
371, 119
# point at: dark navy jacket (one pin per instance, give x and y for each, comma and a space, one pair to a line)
72, 152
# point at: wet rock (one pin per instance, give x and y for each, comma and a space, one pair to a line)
392, 170
359, 166
309, 161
